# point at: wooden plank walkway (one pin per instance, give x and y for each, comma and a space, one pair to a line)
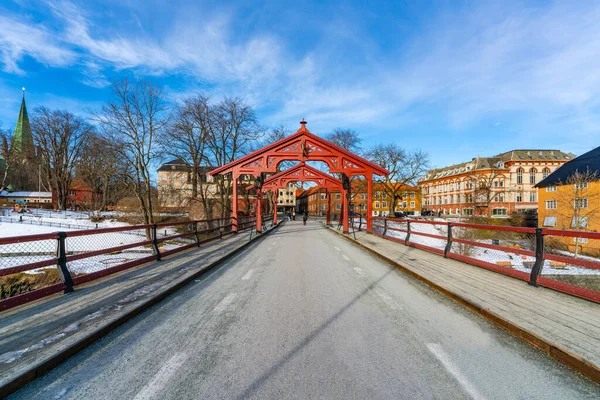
566, 327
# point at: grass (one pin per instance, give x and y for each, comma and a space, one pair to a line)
15, 284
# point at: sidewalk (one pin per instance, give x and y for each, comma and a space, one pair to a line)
566, 327
38, 336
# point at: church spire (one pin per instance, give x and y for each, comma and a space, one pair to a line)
22, 139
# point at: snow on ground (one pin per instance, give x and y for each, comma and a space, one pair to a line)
492, 256
17, 254
9, 229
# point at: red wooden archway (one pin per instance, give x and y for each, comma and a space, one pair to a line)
301, 173
302, 146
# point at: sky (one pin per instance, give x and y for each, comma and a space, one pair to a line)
456, 78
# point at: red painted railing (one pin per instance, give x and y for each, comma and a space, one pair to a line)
85, 255
543, 257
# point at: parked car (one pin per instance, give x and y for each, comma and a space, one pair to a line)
399, 214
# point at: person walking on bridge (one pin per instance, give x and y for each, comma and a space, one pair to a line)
305, 217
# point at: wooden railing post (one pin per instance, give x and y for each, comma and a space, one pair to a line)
407, 232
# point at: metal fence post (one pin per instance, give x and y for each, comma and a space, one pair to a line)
61, 262
407, 232
539, 257
196, 234
449, 240
155, 242
359, 222
385, 221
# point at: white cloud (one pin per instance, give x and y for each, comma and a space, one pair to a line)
19, 39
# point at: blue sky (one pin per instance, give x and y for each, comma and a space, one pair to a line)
456, 78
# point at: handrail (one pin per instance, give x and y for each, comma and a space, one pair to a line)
472, 248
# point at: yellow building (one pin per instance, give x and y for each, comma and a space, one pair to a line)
408, 200
569, 199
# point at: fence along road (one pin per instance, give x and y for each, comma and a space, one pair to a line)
306, 314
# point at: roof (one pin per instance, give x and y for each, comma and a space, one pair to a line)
589, 161
79, 184
25, 194
303, 131
497, 161
181, 165
22, 134
535, 154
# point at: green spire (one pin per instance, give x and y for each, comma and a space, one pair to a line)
22, 139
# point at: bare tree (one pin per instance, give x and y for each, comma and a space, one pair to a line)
186, 136
405, 168
4, 161
99, 167
231, 129
132, 120
275, 134
577, 202
346, 139
485, 188
60, 136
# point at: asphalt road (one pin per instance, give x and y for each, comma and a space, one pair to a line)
304, 314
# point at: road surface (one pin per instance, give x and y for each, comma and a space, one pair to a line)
304, 314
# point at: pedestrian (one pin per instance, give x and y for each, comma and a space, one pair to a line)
305, 217
294, 214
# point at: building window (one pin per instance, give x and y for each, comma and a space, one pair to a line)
545, 172
323, 196
580, 185
502, 182
384, 204
501, 197
339, 196
376, 204
550, 204
519, 196
412, 204
520, 175
323, 207
363, 206
499, 211
579, 222
550, 221
580, 240
412, 195
338, 206
551, 189
458, 186
363, 196
467, 211
532, 197
581, 203
532, 172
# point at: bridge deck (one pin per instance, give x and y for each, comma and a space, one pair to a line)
32, 334
569, 323
306, 314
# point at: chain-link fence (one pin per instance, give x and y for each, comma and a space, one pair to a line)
568, 261
24, 263
38, 265
571, 262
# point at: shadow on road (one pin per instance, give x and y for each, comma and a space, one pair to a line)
285, 359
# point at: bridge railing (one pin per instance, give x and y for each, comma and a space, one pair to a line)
35, 266
563, 260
